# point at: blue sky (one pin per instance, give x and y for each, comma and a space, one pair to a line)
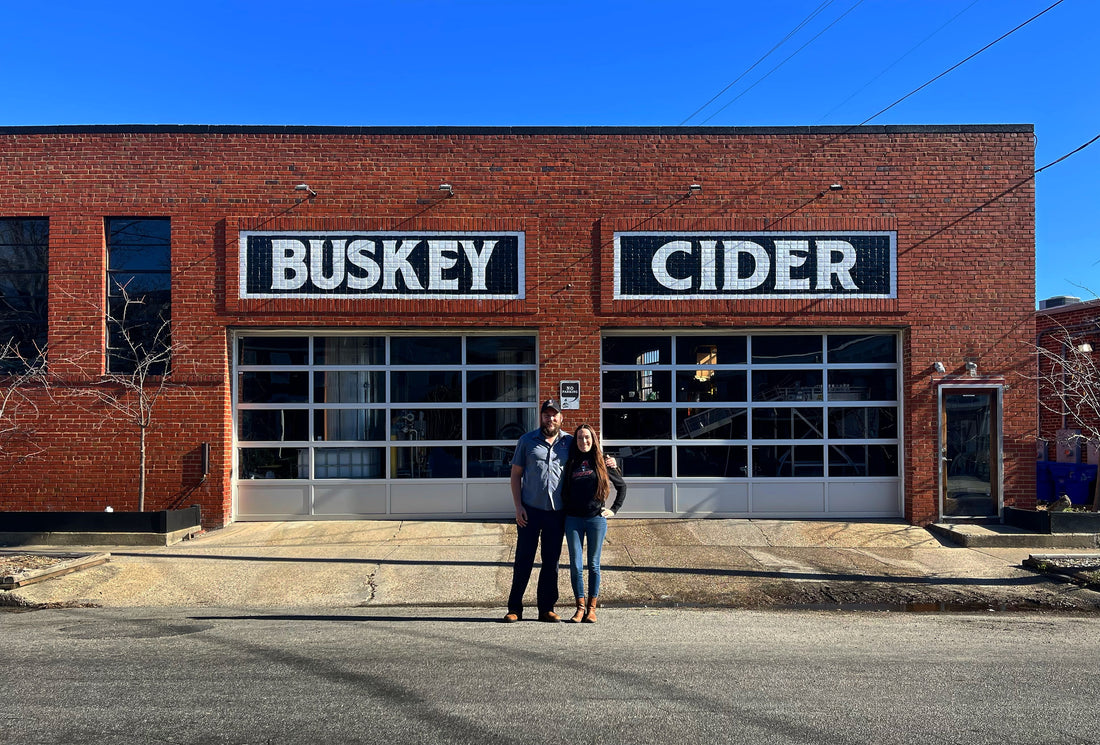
429, 62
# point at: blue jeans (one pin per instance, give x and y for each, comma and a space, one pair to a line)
547, 525
577, 530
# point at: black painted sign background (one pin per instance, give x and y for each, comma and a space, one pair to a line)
430, 265
693, 265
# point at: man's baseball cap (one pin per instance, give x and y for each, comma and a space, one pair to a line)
551, 403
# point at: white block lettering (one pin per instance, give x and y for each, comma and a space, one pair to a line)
762, 265
288, 264
442, 255
396, 260
827, 268
659, 265
317, 263
478, 261
358, 251
790, 255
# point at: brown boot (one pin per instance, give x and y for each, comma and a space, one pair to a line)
580, 612
590, 615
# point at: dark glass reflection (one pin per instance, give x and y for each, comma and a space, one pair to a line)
489, 461
715, 461
863, 422
500, 350
786, 385
349, 350
635, 461
863, 460
711, 385
426, 386
435, 462
349, 424
274, 463
273, 350
788, 423
783, 349
710, 349
349, 387
637, 424
500, 424
637, 385
636, 350
425, 350
279, 425
862, 348
862, 385
712, 424
274, 387
426, 424
787, 460
501, 385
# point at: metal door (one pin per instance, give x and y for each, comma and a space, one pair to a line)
970, 451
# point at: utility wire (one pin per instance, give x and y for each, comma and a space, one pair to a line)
895, 63
1071, 152
960, 64
783, 41
761, 80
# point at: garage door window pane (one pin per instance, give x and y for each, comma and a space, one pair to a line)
274, 387
786, 385
788, 423
712, 424
278, 425
787, 460
426, 350
711, 385
427, 462
714, 461
637, 424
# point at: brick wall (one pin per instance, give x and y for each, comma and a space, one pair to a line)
960, 199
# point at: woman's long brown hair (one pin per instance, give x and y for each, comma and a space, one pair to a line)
603, 481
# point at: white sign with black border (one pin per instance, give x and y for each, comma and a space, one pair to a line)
570, 394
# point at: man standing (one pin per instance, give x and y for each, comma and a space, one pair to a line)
536, 491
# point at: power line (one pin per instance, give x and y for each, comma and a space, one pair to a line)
783, 41
895, 63
761, 80
960, 64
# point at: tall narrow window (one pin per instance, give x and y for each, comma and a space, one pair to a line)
139, 294
24, 245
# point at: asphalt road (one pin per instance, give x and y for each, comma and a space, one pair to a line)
457, 676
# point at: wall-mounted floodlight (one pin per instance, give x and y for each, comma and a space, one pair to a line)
836, 187
972, 369
938, 367
305, 187
694, 189
1084, 347
447, 188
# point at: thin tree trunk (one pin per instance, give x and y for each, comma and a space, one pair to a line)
141, 475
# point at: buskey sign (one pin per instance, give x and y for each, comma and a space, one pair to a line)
344, 264
697, 266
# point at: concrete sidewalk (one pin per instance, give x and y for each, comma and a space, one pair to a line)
718, 562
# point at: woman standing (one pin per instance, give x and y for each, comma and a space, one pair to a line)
585, 492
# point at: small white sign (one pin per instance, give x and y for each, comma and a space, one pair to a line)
570, 394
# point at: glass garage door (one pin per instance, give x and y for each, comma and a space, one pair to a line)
759, 423
339, 425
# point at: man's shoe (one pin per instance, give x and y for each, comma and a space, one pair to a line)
549, 617
512, 618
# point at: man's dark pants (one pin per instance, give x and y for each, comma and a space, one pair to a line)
550, 527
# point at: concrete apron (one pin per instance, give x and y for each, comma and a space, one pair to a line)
384, 563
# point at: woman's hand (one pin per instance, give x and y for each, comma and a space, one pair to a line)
607, 513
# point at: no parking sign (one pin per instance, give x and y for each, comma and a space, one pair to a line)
570, 394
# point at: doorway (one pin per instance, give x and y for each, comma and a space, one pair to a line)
970, 451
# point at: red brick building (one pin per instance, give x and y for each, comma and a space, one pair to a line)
1067, 329
790, 321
